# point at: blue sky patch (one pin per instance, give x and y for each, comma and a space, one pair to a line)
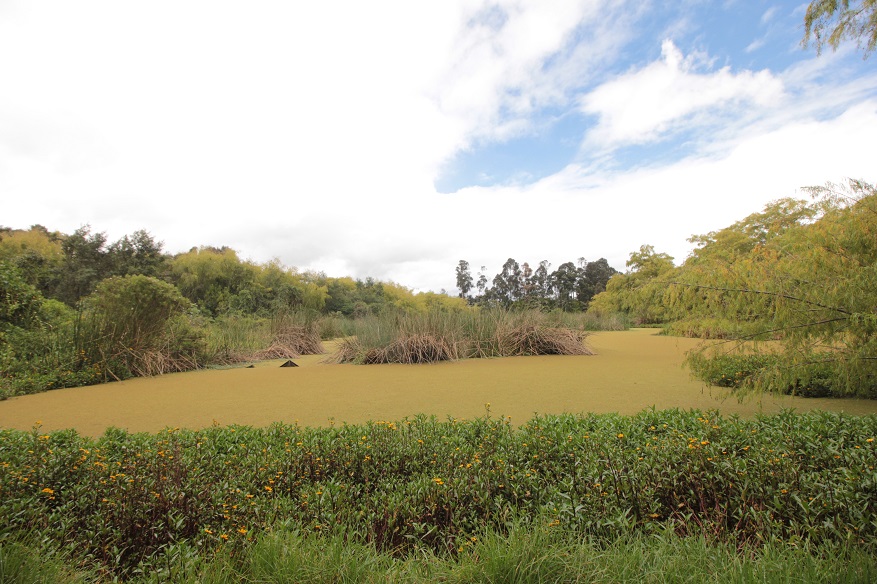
521, 160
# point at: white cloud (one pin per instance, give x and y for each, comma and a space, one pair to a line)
769, 14
755, 45
643, 105
313, 131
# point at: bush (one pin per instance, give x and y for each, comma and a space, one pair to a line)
743, 370
132, 503
139, 326
728, 370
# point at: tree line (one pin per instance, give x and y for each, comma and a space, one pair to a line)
69, 267
569, 288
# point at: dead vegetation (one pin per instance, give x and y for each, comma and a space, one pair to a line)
413, 339
290, 343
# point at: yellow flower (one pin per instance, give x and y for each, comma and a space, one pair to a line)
242, 531
223, 536
48, 491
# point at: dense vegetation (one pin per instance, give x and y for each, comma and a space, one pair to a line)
76, 309
127, 504
791, 290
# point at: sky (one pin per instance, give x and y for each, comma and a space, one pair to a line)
392, 139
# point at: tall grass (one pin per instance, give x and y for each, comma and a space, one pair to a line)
442, 336
588, 321
236, 339
526, 554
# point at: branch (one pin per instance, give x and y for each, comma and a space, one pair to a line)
762, 292
781, 329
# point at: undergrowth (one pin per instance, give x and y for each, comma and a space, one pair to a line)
126, 504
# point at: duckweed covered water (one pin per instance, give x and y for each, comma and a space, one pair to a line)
632, 371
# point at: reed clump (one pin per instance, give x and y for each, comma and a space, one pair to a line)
289, 346
246, 339
438, 336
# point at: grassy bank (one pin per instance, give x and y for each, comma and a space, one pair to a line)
523, 555
126, 503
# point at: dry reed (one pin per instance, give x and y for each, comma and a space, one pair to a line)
430, 338
291, 342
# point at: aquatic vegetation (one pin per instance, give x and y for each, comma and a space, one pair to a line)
445, 336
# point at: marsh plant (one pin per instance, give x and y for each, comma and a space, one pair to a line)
284, 335
444, 336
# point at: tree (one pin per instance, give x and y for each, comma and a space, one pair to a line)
210, 277
464, 278
812, 287
592, 279
36, 253
85, 263
833, 21
507, 285
481, 285
542, 280
563, 282
640, 292
20, 302
138, 254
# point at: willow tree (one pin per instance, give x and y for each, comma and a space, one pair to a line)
639, 292
810, 292
829, 22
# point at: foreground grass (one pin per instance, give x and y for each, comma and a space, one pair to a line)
523, 555
126, 504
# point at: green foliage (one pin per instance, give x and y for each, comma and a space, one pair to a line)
829, 22
137, 325
85, 264
730, 370
809, 281
637, 294
138, 254
220, 283
137, 503
29, 562
37, 351
36, 253
20, 302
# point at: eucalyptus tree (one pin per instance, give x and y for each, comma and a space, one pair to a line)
563, 282
464, 278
